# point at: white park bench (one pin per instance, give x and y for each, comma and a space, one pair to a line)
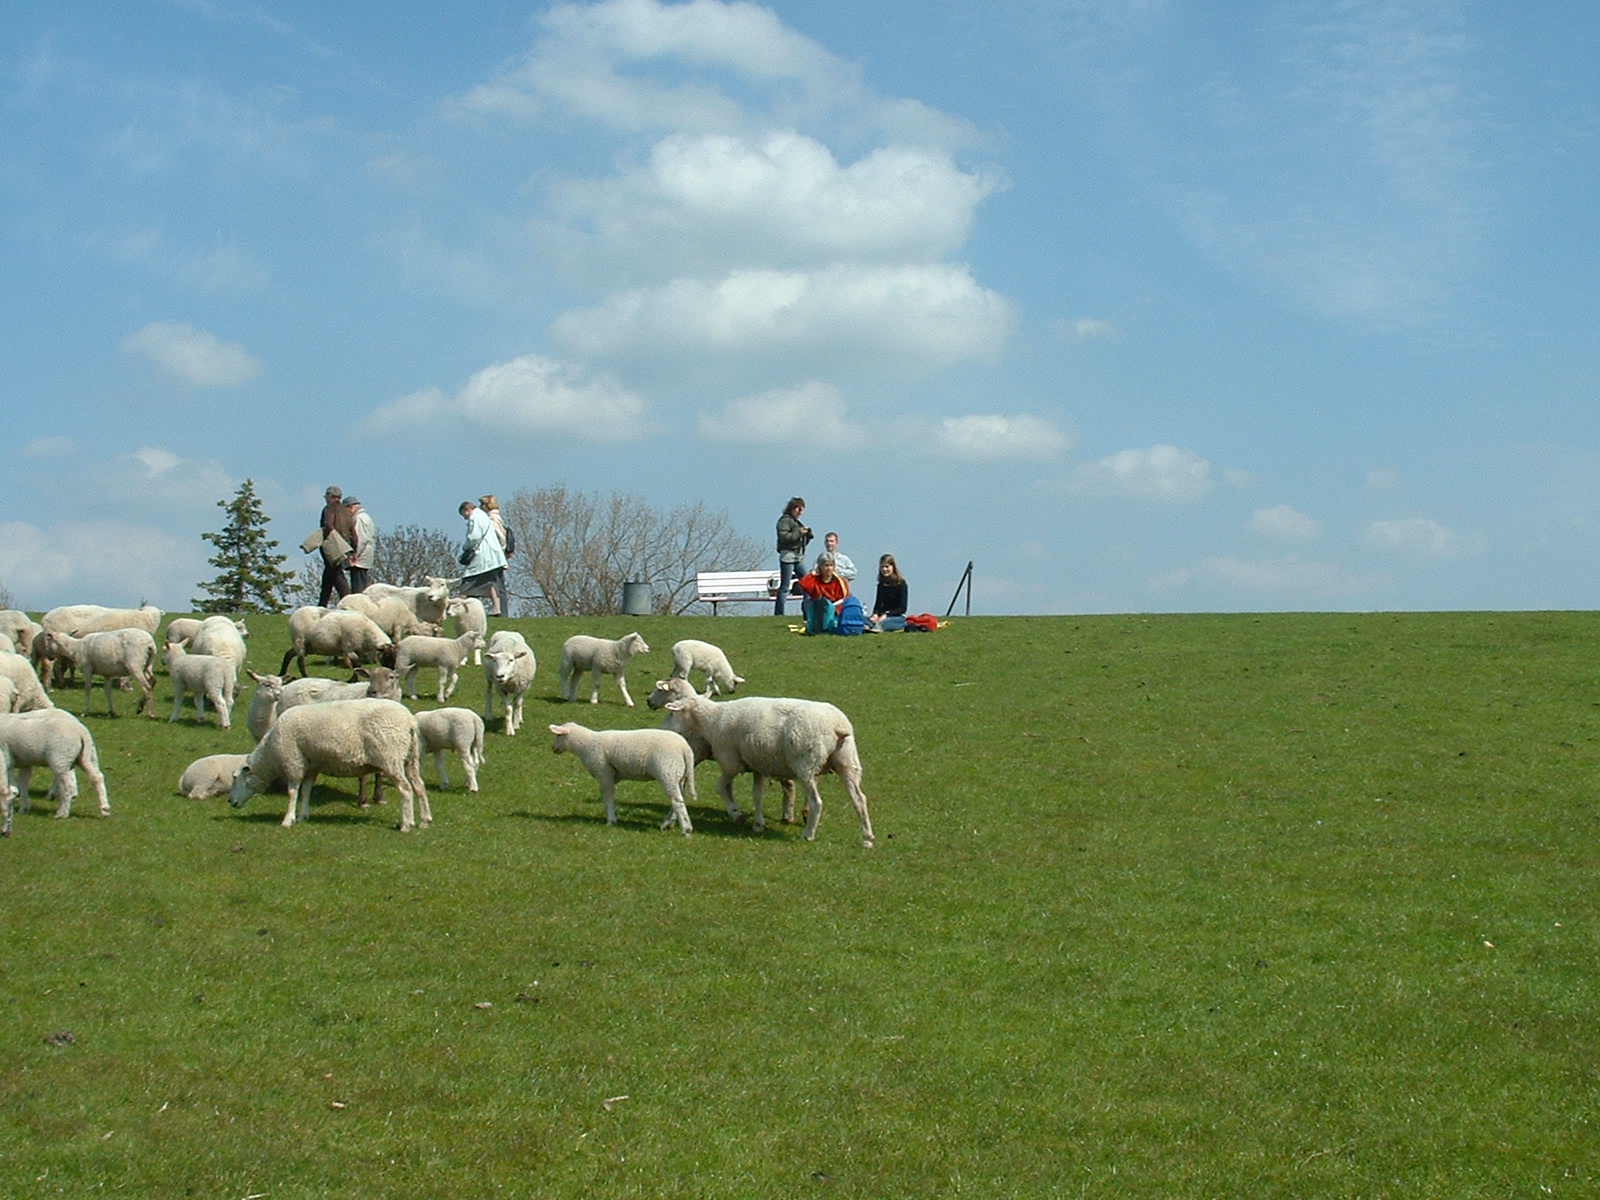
735, 587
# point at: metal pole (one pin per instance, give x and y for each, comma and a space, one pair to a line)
966, 582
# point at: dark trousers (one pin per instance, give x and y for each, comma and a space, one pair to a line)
788, 572
359, 578
333, 580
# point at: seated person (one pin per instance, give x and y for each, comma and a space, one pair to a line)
824, 592
889, 608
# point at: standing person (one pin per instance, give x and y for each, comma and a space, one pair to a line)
365, 543
335, 519
793, 538
842, 565
824, 593
501, 605
889, 608
481, 557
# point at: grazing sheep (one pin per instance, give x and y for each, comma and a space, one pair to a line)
458, 729
210, 776
446, 654
58, 740
582, 653
223, 637
31, 695
182, 629
345, 738
18, 626
263, 709
116, 654
668, 690
690, 655
779, 739
426, 601
467, 612
392, 615
206, 676
508, 673
351, 637
613, 754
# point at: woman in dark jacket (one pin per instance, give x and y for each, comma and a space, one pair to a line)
889, 608
792, 540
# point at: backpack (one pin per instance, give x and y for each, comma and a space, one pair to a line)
923, 623
851, 619
511, 541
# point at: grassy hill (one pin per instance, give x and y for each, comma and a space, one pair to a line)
1295, 905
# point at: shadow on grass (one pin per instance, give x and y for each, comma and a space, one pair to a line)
715, 823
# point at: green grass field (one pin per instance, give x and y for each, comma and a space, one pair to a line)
1214, 906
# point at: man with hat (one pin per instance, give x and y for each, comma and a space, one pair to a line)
335, 519
366, 539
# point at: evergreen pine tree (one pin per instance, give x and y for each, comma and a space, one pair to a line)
252, 578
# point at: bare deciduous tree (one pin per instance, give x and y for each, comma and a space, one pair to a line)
575, 550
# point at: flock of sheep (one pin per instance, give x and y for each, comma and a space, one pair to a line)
310, 727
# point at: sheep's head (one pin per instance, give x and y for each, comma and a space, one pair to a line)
667, 690
383, 684
561, 732
272, 685
634, 644
246, 783
239, 625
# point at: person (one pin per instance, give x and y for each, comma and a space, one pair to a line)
889, 607
825, 591
481, 557
335, 519
501, 604
793, 538
842, 565
366, 540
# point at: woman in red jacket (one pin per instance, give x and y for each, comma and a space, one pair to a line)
824, 593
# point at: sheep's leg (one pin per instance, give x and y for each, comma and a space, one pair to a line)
97, 781
223, 705
200, 705
299, 801
469, 764
677, 812
22, 777
66, 786
594, 696
788, 801
177, 701
813, 807
725, 790
852, 783
420, 791
409, 681
438, 766
407, 803
759, 825
451, 690
608, 794
622, 682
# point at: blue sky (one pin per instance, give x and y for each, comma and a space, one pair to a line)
1139, 305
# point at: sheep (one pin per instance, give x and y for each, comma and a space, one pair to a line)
338, 633
458, 729
207, 676
114, 654
467, 612
182, 629
613, 754
582, 653
223, 637
426, 601
508, 673
668, 690
391, 614
8, 695
690, 655
446, 654
263, 709
58, 740
780, 739
31, 695
381, 683
210, 776
343, 738
7, 646
18, 626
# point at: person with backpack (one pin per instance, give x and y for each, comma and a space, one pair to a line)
889, 607
824, 593
500, 601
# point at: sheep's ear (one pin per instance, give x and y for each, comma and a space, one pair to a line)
558, 729
253, 675
677, 705
738, 678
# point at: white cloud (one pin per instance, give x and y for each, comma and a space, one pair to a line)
994, 437
1419, 537
49, 447
531, 394
192, 355
1085, 329
1285, 523
154, 475
782, 199
223, 268
1150, 473
891, 320
811, 415
110, 562
1291, 575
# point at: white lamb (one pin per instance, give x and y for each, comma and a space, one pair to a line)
206, 677
58, 740
351, 637
458, 729
467, 612
8, 695
31, 695
613, 754
346, 738
668, 690
210, 776
263, 710
381, 683
779, 739
116, 654
181, 629
391, 614
223, 637
79, 619
19, 627
690, 655
447, 655
426, 601
582, 653
508, 673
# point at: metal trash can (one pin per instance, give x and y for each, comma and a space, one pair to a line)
636, 599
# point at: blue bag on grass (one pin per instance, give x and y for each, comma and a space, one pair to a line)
851, 619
